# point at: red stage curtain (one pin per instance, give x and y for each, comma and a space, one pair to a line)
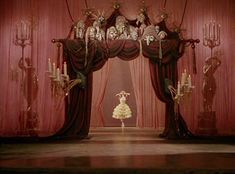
175, 125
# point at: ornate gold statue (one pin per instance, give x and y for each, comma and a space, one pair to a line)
209, 84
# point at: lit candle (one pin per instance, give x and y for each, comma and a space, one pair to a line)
65, 69
49, 65
28, 31
206, 28
178, 88
183, 78
213, 33
219, 33
189, 81
209, 31
58, 74
23, 30
53, 69
24, 27
19, 31
203, 32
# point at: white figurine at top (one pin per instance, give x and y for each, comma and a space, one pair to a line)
96, 31
112, 33
122, 27
153, 33
79, 29
122, 110
140, 20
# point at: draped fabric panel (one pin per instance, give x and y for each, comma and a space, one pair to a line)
175, 125
100, 79
78, 104
150, 110
124, 49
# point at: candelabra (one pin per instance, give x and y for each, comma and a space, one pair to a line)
60, 82
207, 118
211, 35
184, 88
29, 80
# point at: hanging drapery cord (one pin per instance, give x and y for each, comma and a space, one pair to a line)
67, 4
164, 7
163, 14
72, 27
182, 19
86, 4
86, 40
192, 44
88, 11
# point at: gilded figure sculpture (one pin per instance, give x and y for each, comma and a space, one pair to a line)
209, 84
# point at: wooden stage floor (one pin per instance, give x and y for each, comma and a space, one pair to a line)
111, 150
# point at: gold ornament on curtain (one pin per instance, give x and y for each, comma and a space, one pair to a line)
116, 5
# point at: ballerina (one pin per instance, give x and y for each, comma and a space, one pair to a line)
122, 110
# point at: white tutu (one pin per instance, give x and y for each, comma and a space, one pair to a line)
122, 110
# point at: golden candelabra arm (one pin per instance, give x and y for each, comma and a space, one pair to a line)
184, 89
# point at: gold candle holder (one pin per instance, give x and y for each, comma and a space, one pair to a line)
211, 35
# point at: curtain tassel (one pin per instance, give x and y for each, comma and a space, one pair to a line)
194, 59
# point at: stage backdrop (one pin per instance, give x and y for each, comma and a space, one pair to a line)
51, 20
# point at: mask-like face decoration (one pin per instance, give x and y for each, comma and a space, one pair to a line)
112, 33
80, 29
134, 33
120, 28
101, 21
120, 24
92, 33
157, 29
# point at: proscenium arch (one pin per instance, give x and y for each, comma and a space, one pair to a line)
78, 108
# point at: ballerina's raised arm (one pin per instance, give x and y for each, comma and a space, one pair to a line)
122, 93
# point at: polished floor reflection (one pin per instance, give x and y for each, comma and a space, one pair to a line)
113, 150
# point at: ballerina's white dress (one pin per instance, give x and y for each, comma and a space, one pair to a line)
122, 110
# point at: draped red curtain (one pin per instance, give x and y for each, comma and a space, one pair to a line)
175, 125
100, 79
150, 110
